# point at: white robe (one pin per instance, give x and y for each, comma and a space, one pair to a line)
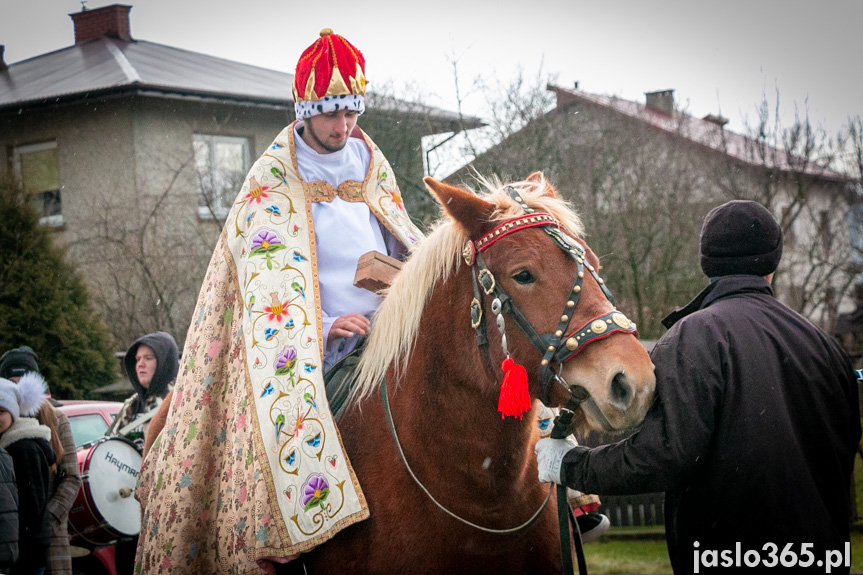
344, 231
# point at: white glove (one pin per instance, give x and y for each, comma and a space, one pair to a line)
549, 457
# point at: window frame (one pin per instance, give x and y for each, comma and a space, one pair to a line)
215, 212
56, 220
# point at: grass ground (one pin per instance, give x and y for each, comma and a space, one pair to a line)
611, 554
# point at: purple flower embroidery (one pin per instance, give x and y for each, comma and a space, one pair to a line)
264, 244
265, 239
315, 491
286, 360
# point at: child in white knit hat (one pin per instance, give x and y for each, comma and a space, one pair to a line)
28, 443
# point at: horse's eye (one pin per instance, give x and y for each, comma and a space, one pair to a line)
524, 277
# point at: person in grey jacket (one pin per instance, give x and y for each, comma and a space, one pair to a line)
8, 511
756, 423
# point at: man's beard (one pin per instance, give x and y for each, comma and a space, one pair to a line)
325, 146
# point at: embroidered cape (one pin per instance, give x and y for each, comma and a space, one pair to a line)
250, 466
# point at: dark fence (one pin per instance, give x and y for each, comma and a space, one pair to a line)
634, 510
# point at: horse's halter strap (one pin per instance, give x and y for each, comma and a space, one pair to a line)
556, 347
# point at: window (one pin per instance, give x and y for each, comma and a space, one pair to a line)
39, 169
221, 163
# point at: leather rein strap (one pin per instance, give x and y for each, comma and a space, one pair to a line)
563, 428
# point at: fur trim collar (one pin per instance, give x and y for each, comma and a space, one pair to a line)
24, 428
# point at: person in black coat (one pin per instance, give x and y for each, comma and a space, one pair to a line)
753, 433
8, 511
27, 442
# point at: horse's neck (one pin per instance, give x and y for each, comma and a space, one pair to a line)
452, 408
461, 434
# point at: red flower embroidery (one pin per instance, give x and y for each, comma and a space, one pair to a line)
276, 310
257, 193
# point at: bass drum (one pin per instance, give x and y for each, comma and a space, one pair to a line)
105, 509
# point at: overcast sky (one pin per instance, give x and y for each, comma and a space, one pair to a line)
716, 55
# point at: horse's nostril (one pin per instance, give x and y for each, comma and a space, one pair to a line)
621, 392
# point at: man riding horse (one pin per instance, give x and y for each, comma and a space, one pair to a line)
278, 308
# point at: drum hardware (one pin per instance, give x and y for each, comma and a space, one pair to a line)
104, 510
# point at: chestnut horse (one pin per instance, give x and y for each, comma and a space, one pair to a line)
444, 391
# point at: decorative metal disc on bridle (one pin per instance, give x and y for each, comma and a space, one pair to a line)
469, 252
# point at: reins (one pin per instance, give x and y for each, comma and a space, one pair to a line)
389, 416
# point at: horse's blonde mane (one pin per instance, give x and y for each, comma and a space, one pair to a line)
436, 259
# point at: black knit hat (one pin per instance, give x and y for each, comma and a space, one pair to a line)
16, 362
740, 237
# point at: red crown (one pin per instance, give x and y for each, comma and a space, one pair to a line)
331, 66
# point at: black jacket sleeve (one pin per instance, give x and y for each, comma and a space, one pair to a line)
674, 437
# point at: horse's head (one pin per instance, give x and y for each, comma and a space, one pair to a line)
558, 320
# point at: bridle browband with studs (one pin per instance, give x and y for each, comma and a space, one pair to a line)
557, 347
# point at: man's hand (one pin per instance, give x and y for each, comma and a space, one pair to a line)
549, 456
350, 325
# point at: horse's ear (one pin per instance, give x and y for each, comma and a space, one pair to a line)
539, 179
471, 212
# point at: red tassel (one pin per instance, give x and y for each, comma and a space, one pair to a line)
514, 398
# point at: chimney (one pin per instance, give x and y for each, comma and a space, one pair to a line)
110, 21
661, 101
718, 120
3, 65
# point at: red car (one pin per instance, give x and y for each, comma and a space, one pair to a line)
89, 421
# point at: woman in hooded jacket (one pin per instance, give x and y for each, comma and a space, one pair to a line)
151, 364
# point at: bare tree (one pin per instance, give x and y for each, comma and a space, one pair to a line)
790, 171
149, 257
643, 192
627, 181
397, 120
